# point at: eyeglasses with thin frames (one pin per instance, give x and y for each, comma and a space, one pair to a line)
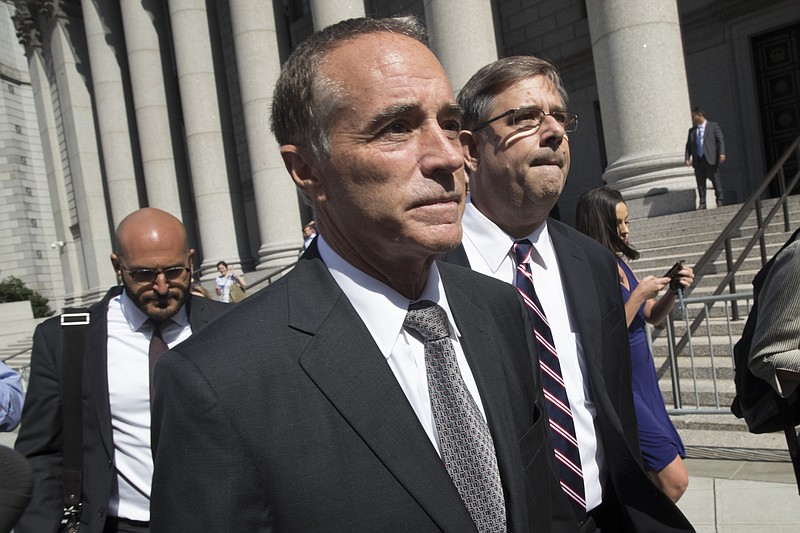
148, 276
530, 118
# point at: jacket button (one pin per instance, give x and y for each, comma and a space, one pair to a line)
101, 513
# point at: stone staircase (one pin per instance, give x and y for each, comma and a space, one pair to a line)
705, 367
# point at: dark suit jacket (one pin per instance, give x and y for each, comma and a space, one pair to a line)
713, 144
284, 416
40, 434
591, 283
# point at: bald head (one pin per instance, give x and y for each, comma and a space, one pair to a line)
152, 244
150, 228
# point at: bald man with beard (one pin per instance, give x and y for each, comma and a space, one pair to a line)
153, 262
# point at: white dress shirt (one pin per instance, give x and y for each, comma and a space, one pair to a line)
128, 366
489, 250
383, 310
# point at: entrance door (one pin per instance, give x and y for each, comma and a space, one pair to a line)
776, 56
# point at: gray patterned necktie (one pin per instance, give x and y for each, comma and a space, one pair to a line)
467, 448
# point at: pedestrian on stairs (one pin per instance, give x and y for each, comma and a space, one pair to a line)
602, 214
705, 151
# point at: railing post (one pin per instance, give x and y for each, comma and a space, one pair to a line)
673, 362
783, 198
732, 283
786, 222
760, 225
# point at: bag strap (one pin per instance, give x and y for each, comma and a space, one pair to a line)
74, 322
792, 440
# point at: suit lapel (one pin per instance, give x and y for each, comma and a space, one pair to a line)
352, 373
195, 308
581, 294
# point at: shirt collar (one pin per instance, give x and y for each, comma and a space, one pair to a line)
494, 244
491, 242
136, 317
381, 308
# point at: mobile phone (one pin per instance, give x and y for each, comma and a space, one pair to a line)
672, 272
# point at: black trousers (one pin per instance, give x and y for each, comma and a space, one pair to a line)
702, 172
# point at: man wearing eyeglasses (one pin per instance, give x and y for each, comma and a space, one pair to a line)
134, 324
516, 149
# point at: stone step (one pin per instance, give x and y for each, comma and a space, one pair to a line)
723, 436
19, 362
719, 346
704, 395
692, 220
700, 392
700, 367
646, 236
656, 262
725, 421
656, 238
717, 312
700, 338
718, 326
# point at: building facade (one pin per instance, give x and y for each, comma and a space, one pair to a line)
166, 104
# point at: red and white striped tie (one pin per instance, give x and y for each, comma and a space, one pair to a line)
565, 443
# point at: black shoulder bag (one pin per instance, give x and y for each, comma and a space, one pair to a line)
74, 322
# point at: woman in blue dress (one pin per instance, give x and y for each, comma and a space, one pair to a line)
603, 215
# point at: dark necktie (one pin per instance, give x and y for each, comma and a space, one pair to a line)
466, 444
700, 132
565, 443
157, 348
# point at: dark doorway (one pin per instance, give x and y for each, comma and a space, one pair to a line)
776, 56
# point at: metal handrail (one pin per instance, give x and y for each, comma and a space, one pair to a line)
672, 361
21, 352
723, 240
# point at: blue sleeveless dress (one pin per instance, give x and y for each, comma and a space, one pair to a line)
658, 437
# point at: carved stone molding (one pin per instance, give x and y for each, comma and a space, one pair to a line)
26, 23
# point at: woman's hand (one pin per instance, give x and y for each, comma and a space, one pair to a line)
239, 280
685, 277
650, 286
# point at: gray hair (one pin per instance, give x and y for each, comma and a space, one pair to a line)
477, 97
305, 100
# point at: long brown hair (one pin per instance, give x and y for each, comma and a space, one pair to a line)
596, 216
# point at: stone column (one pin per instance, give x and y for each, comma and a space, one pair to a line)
142, 22
68, 253
213, 195
462, 37
103, 38
89, 228
325, 13
644, 98
258, 62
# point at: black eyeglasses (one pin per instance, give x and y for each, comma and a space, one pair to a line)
147, 276
529, 118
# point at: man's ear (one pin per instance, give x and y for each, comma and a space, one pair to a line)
470, 148
117, 267
115, 263
302, 167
